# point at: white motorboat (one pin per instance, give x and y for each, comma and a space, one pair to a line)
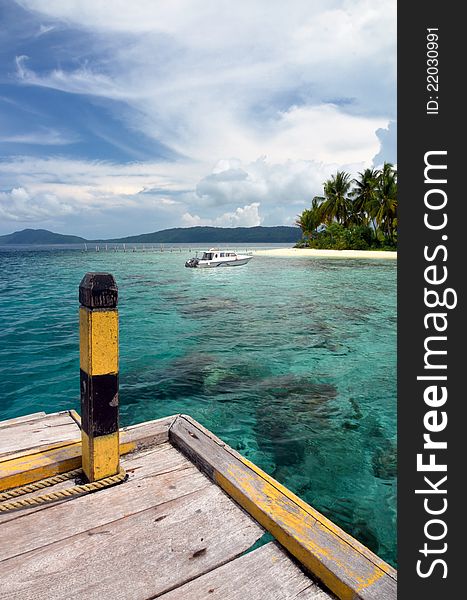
218, 258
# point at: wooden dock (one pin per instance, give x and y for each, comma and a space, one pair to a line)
181, 527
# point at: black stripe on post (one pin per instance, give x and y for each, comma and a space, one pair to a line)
99, 403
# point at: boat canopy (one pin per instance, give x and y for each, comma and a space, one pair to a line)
217, 254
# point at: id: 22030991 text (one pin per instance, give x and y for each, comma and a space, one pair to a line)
432, 74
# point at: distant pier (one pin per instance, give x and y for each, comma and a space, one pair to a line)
159, 248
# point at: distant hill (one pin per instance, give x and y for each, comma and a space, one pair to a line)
188, 235
39, 237
214, 235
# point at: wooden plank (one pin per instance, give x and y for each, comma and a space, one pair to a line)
137, 557
145, 435
167, 475
21, 468
8, 458
347, 568
16, 420
266, 573
156, 461
26, 434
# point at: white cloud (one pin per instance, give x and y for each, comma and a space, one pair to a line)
273, 184
78, 81
151, 196
20, 205
200, 70
42, 136
262, 100
43, 29
246, 216
388, 145
83, 197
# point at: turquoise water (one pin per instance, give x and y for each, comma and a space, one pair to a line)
290, 361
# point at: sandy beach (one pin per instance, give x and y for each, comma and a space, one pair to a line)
314, 253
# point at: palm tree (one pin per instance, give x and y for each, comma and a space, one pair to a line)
373, 199
311, 219
337, 204
365, 196
386, 214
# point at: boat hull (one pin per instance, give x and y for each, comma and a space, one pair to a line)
225, 263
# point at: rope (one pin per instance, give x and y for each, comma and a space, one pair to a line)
76, 490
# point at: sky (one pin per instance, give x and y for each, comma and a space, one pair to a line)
119, 118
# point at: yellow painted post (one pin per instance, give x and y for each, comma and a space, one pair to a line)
98, 328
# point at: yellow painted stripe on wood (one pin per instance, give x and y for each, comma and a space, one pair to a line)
345, 566
33, 451
321, 518
27, 469
45, 463
53, 459
98, 331
286, 539
296, 531
100, 455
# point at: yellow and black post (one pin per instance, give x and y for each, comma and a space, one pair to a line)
98, 328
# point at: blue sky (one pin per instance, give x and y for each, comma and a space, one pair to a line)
152, 114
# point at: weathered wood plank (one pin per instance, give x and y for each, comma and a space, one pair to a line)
155, 461
26, 434
41, 449
144, 435
340, 562
137, 557
165, 483
22, 468
266, 573
16, 420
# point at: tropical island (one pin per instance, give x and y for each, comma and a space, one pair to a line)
354, 218
353, 214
